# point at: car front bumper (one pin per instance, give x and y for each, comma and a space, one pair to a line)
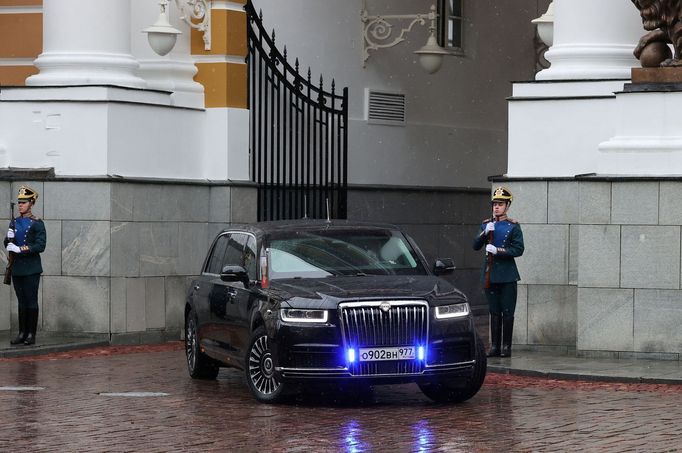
320, 352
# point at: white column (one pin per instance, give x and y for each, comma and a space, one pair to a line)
593, 39
173, 72
86, 42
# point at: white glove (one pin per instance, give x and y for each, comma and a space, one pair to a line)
10, 234
490, 226
13, 248
488, 248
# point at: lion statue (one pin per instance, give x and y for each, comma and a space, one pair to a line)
661, 18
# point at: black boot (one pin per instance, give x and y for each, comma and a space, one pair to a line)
23, 330
507, 330
495, 334
32, 320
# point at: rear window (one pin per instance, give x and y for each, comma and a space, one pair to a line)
334, 252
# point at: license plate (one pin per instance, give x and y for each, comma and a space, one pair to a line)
393, 353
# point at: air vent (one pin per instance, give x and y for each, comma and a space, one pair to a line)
385, 108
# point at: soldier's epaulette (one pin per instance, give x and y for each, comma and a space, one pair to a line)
34, 218
487, 220
510, 220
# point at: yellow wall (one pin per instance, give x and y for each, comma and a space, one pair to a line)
21, 36
224, 82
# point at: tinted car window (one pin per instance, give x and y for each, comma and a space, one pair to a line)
250, 257
235, 249
323, 253
216, 259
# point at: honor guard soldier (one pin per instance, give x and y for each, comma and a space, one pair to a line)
26, 239
503, 242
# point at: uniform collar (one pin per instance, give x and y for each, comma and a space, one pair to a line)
502, 217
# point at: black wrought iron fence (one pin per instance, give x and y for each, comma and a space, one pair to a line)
298, 134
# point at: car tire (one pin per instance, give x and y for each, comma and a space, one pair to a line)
264, 382
200, 366
443, 392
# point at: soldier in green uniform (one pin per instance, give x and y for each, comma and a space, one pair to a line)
503, 242
26, 240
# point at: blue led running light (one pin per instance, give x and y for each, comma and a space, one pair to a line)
351, 355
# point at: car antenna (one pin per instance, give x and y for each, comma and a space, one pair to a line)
329, 220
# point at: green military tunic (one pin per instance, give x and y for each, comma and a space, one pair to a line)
508, 238
31, 238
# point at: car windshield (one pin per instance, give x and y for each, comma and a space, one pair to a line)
334, 252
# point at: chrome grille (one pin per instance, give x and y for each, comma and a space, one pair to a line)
365, 324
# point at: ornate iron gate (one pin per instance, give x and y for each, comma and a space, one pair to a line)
298, 134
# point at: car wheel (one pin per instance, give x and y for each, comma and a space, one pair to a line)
264, 382
200, 366
444, 392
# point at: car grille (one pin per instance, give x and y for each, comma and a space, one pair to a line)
365, 324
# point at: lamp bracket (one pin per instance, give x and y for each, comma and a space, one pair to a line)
378, 30
197, 14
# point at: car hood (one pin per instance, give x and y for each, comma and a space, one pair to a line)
327, 292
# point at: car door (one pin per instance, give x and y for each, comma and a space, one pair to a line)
244, 298
204, 289
224, 294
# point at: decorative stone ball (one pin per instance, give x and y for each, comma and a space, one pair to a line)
654, 54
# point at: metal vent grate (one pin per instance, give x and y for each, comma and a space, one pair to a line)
385, 108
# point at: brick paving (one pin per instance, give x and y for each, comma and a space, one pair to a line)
510, 413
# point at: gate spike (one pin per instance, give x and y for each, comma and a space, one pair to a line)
333, 85
285, 53
309, 75
296, 65
273, 35
260, 15
320, 95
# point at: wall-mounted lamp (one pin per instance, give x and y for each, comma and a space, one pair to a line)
195, 13
377, 33
545, 25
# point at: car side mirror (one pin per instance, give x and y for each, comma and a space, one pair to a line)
444, 266
234, 274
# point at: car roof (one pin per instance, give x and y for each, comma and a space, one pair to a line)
305, 224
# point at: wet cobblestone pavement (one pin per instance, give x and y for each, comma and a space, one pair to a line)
81, 401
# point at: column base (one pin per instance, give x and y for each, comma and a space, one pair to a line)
59, 69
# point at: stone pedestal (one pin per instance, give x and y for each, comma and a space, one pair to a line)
656, 75
647, 140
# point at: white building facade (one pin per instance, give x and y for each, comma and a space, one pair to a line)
594, 164
141, 159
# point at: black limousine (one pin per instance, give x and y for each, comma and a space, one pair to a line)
294, 301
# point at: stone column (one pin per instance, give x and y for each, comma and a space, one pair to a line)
174, 72
86, 42
593, 39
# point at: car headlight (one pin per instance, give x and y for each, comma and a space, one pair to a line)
452, 311
302, 315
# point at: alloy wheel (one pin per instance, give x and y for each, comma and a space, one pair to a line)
191, 344
262, 367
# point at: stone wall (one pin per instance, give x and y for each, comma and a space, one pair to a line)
601, 272
442, 221
120, 254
